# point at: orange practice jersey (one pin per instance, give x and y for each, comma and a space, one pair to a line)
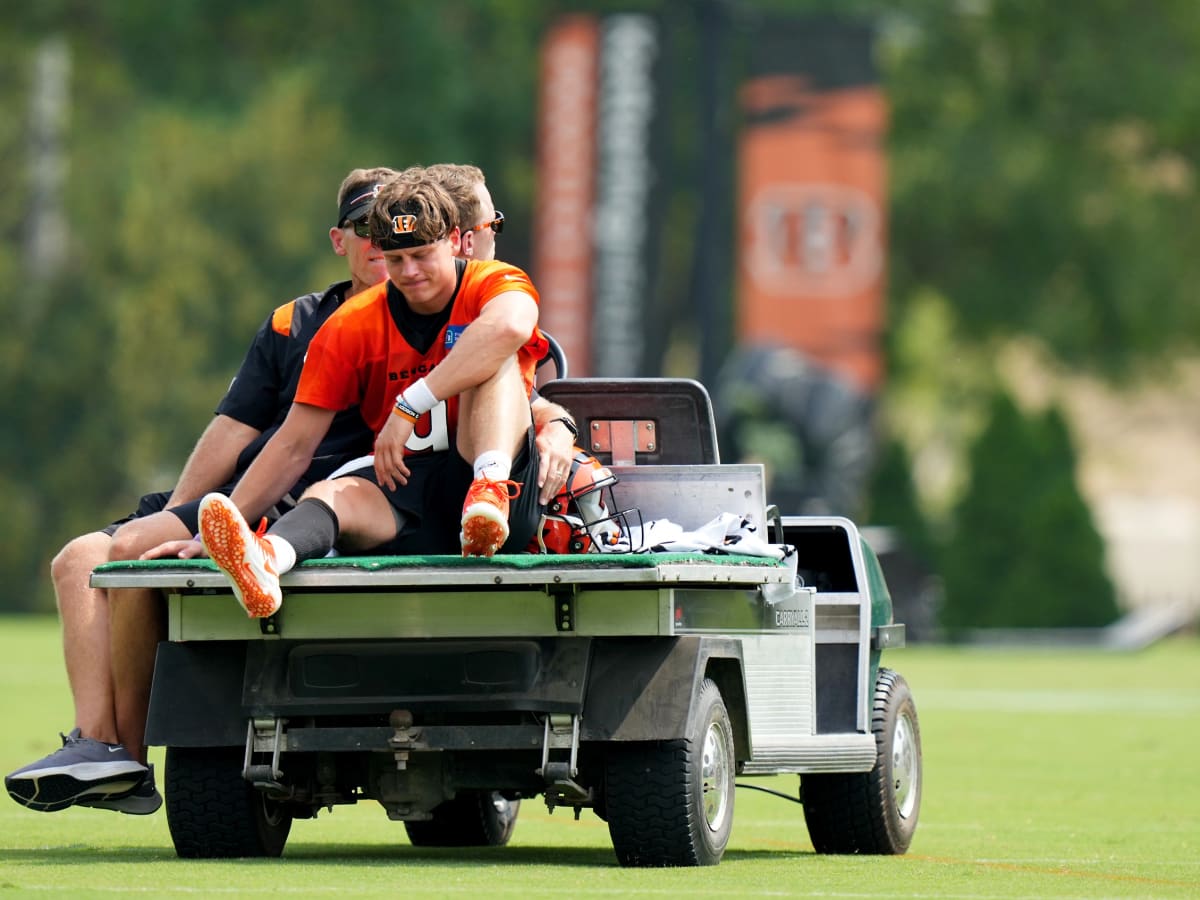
360, 357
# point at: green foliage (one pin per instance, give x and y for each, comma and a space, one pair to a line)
1043, 160
212, 235
1024, 551
893, 502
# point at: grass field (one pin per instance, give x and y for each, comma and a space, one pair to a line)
1047, 774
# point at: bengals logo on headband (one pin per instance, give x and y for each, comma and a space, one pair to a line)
404, 224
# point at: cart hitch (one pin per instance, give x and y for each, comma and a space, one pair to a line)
266, 777
562, 734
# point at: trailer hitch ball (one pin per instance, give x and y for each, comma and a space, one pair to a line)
401, 718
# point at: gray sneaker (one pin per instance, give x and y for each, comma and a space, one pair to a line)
142, 802
81, 769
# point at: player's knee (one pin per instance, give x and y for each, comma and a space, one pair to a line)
80, 554
124, 544
325, 491
136, 537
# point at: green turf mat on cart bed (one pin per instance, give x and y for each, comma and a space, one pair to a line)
505, 560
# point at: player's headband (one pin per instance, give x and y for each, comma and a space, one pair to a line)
402, 235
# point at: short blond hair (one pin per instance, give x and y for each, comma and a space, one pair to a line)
460, 181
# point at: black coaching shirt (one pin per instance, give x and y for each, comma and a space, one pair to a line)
265, 385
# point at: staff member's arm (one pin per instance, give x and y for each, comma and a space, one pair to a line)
282, 461
213, 460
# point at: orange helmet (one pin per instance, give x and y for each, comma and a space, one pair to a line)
582, 518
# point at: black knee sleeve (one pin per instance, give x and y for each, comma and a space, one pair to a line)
311, 528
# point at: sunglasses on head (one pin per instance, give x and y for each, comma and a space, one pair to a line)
497, 224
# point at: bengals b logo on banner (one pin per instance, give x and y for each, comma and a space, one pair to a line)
404, 224
811, 197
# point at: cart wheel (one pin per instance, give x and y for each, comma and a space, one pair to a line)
671, 803
213, 813
471, 819
872, 812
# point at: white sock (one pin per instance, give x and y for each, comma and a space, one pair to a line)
285, 553
494, 464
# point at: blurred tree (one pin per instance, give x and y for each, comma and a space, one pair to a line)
902, 538
1042, 164
893, 502
1043, 161
1024, 550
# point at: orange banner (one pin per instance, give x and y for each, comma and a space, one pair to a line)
562, 233
812, 215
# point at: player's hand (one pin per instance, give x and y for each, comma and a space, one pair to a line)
390, 469
189, 549
556, 450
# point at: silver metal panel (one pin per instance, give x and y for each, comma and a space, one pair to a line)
779, 687
597, 612
433, 576
415, 615
523, 613
865, 688
885, 636
692, 495
819, 753
846, 618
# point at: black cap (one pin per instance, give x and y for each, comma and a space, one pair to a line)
357, 202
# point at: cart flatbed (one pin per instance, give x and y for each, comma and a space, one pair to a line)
638, 685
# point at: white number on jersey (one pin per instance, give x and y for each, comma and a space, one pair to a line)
432, 431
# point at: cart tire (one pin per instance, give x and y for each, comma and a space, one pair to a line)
213, 813
471, 819
872, 812
670, 803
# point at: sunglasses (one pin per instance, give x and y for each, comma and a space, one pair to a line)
497, 224
360, 226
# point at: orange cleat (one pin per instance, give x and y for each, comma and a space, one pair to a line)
243, 555
485, 516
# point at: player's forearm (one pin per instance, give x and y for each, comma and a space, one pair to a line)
213, 460
545, 412
490, 341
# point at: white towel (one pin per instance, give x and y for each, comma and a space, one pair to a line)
727, 533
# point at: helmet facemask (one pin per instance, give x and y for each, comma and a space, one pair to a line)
583, 516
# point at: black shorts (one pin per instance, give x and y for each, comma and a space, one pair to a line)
432, 501
187, 513
147, 506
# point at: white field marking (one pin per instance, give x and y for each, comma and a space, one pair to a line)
1181, 703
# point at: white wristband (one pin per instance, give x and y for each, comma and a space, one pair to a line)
419, 396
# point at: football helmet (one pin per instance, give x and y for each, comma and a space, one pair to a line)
582, 517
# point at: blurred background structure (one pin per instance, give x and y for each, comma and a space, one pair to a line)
935, 261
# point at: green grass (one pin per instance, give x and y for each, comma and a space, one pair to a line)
1047, 774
